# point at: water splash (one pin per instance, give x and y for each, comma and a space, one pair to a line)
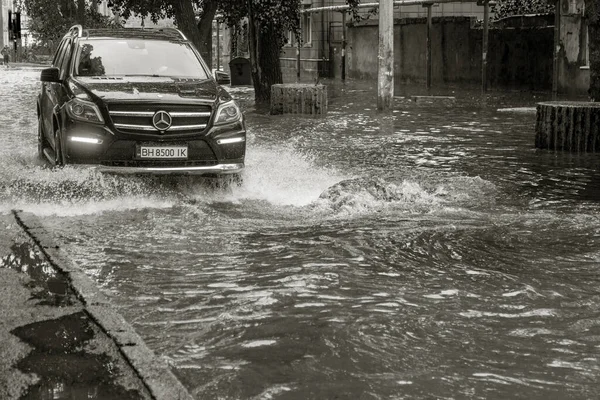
364, 194
32, 186
277, 175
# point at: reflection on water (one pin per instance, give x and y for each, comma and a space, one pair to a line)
436, 256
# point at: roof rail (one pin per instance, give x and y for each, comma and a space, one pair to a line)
78, 29
173, 30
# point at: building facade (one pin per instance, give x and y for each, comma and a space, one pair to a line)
520, 54
12, 6
322, 34
5, 5
574, 56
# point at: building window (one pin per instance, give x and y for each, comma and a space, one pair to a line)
585, 43
306, 25
305, 31
290, 39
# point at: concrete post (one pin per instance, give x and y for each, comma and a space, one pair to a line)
385, 77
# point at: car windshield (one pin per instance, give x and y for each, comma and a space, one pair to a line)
137, 57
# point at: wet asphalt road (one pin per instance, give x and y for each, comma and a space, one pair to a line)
432, 254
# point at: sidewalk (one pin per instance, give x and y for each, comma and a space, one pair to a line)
59, 336
24, 65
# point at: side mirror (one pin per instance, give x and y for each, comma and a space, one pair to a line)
50, 75
221, 77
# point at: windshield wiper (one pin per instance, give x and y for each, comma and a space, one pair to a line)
195, 80
150, 75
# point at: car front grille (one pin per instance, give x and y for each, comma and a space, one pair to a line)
137, 118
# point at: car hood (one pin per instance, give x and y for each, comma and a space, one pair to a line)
148, 88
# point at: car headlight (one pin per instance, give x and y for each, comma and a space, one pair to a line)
227, 113
82, 110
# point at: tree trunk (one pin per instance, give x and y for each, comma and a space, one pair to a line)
569, 126
264, 57
592, 13
81, 12
270, 65
252, 48
205, 29
186, 21
66, 8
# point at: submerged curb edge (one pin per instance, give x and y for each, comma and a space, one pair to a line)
153, 372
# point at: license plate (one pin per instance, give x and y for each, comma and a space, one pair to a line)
162, 152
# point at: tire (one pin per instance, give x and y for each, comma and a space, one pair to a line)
232, 180
237, 180
228, 181
59, 157
41, 141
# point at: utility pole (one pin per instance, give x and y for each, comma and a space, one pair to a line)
218, 44
385, 77
485, 45
556, 50
298, 60
298, 47
344, 44
429, 69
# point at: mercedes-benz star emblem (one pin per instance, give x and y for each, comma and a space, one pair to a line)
162, 120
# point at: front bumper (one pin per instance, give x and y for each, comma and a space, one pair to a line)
118, 154
219, 169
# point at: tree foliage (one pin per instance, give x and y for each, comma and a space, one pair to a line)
270, 16
49, 20
509, 8
193, 17
155, 10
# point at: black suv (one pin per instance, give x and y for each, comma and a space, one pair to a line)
138, 101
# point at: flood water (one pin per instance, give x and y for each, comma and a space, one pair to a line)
433, 253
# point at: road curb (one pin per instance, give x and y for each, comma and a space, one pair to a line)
154, 373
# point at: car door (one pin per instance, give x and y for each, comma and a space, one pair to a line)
53, 92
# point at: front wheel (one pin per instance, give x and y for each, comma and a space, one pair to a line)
41, 141
234, 180
59, 156
227, 181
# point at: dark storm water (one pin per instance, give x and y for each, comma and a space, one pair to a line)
455, 262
